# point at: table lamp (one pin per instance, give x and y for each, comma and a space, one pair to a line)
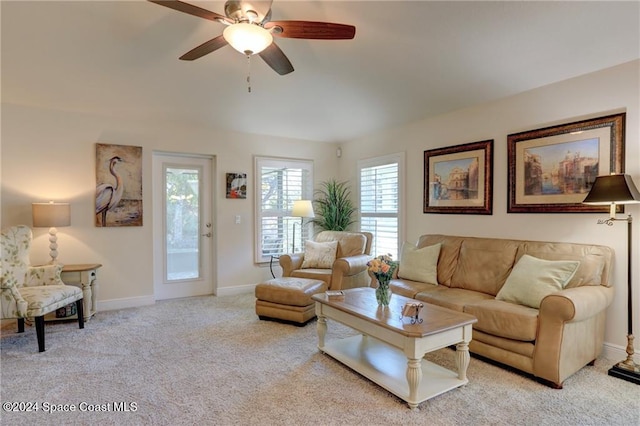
612, 190
301, 209
51, 215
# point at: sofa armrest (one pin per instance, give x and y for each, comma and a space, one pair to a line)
290, 262
570, 331
346, 267
576, 304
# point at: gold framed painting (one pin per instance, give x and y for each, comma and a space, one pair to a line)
459, 179
551, 170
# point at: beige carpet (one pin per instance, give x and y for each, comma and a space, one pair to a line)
209, 360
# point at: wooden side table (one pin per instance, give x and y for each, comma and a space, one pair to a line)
84, 276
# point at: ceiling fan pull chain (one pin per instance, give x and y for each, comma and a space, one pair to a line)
249, 73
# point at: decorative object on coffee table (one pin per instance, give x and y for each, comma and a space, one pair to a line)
382, 268
611, 190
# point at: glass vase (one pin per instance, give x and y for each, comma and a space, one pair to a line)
383, 293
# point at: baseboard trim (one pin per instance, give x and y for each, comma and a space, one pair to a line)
233, 291
135, 302
618, 353
129, 302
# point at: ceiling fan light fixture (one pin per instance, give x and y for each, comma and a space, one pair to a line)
246, 38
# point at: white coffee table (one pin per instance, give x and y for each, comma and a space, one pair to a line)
390, 350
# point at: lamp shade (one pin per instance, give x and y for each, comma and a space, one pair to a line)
616, 188
247, 38
302, 208
46, 215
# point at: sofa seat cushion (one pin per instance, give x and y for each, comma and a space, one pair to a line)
313, 274
410, 288
516, 346
48, 298
452, 298
504, 319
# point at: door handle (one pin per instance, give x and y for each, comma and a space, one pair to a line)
208, 234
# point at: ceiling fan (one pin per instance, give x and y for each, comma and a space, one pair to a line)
250, 30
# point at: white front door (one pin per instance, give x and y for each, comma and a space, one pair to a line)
182, 225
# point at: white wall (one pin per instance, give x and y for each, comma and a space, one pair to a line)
50, 155
609, 91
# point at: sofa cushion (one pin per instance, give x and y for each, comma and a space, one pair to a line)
349, 243
449, 251
504, 319
532, 279
593, 259
451, 298
484, 264
410, 288
319, 255
313, 274
419, 264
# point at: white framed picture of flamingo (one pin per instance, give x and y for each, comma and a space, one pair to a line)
118, 185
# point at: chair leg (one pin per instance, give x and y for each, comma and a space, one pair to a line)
20, 325
40, 332
80, 311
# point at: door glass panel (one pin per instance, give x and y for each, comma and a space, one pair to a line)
182, 227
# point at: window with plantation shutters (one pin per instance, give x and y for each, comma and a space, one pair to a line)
380, 190
280, 182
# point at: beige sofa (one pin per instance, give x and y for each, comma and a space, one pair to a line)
550, 342
347, 269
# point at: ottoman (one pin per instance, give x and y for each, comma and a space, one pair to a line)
288, 299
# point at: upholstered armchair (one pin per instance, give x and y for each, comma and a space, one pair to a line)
335, 257
31, 291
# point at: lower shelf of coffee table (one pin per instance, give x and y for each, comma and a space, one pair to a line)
387, 367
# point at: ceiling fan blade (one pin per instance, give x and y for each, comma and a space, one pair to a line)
276, 59
190, 9
312, 30
205, 48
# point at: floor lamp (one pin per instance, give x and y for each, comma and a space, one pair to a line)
611, 190
301, 209
50, 215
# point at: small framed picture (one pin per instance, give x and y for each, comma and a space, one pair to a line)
237, 185
459, 179
551, 170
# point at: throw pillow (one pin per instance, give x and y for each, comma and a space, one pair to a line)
531, 279
419, 264
319, 255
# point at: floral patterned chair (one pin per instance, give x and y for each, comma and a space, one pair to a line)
31, 291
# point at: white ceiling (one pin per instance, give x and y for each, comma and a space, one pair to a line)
409, 60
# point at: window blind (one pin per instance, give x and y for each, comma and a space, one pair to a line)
280, 182
379, 187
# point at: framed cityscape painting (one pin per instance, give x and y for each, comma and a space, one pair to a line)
459, 179
551, 170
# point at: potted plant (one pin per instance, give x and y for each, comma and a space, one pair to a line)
333, 206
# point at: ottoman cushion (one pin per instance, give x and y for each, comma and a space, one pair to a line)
290, 290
